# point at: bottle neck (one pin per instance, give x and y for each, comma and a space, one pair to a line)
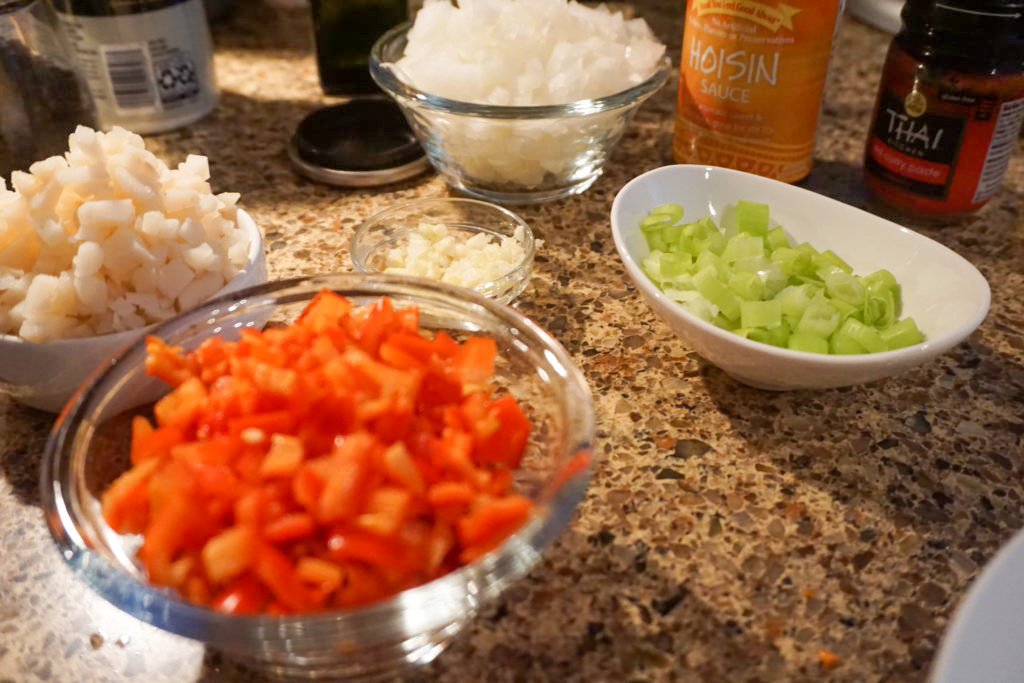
951, 47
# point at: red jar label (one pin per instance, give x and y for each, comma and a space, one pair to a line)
916, 151
941, 140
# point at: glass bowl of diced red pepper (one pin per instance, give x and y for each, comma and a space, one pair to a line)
326, 476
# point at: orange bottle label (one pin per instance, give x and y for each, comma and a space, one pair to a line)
752, 76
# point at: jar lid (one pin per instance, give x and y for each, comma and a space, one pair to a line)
973, 36
363, 142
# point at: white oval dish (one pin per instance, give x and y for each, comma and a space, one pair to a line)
946, 295
44, 375
983, 642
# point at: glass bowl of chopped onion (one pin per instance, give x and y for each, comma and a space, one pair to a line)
465, 242
334, 495
509, 148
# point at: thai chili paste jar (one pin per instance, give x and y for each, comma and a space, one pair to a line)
949, 107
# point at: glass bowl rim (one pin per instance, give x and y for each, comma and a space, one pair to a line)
386, 76
521, 270
177, 615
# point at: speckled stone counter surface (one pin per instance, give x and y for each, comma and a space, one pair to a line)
729, 534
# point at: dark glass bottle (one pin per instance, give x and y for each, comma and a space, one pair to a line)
344, 31
949, 108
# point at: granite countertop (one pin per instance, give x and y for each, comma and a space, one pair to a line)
728, 534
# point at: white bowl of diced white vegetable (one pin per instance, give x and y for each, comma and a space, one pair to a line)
893, 299
44, 375
97, 247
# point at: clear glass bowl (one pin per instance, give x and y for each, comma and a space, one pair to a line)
88, 448
511, 155
465, 218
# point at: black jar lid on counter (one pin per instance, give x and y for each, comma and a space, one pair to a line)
363, 142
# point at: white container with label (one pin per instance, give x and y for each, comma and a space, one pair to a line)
148, 63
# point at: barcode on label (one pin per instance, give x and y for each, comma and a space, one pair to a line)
130, 76
1004, 140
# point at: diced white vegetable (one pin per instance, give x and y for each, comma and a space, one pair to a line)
434, 251
144, 279
51, 233
98, 218
196, 165
180, 200
200, 289
174, 277
132, 186
92, 292
88, 260
201, 258
523, 52
107, 237
192, 232
45, 170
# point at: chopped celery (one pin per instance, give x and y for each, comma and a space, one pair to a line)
714, 242
879, 308
776, 238
845, 309
689, 245
674, 265
746, 278
776, 336
656, 241
845, 287
882, 276
802, 341
829, 257
673, 211
728, 221
709, 258
822, 271
862, 335
774, 279
711, 288
820, 318
700, 307
726, 324
883, 279
763, 314
844, 344
752, 264
752, 217
655, 222
796, 298
670, 233
682, 291
651, 265
704, 236
806, 248
900, 334
748, 286
743, 246
700, 229
792, 261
